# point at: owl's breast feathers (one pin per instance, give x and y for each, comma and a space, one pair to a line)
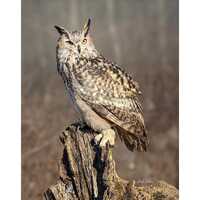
113, 94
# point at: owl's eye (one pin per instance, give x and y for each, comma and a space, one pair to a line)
69, 42
84, 41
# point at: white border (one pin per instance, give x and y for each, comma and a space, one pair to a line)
10, 100
189, 164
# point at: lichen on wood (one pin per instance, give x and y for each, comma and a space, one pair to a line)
87, 172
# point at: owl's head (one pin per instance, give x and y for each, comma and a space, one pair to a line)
75, 43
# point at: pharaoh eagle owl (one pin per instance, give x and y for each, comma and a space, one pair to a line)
103, 93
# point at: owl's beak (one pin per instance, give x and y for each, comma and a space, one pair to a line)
79, 49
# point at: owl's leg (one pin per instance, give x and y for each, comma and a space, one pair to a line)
107, 135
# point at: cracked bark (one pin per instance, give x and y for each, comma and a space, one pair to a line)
88, 173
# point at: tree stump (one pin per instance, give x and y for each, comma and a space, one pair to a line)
87, 172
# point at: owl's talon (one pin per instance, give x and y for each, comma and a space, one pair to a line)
107, 136
98, 138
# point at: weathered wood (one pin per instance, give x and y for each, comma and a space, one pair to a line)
88, 173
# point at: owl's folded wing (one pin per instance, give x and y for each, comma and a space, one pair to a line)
128, 121
113, 95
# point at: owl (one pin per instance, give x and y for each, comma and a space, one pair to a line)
106, 97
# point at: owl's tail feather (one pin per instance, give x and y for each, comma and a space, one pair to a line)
134, 142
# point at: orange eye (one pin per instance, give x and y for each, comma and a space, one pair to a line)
84, 41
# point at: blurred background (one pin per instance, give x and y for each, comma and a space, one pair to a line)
142, 37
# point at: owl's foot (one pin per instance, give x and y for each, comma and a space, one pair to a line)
106, 136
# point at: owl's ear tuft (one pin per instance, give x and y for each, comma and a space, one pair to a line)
62, 31
86, 27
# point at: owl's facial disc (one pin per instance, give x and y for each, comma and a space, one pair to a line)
76, 43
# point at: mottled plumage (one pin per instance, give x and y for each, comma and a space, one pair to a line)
105, 95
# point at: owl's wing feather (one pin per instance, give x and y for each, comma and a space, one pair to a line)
130, 125
113, 95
